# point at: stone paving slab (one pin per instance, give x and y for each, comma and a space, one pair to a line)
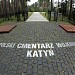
36, 16
14, 61
6, 28
68, 28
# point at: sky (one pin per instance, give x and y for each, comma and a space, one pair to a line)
33, 1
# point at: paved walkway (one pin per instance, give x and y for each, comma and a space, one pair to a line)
14, 61
36, 16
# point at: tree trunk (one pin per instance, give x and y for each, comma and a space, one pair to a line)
12, 6
66, 7
5, 9
3, 6
62, 9
51, 5
70, 12
18, 10
9, 8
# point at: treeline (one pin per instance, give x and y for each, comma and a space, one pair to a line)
9, 8
68, 10
66, 7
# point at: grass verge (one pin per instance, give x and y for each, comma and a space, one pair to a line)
65, 20
13, 19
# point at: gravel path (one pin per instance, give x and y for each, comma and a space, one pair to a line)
36, 16
14, 61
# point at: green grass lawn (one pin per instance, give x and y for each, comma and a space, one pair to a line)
44, 14
65, 20
29, 14
13, 19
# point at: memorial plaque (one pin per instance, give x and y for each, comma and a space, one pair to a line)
68, 28
6, 28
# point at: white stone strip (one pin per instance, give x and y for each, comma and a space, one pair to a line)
36, 16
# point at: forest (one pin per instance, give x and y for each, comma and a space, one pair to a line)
16, 8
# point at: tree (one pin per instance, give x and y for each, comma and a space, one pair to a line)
70, 12
2, 9
66, 7
63, 9
51, 5
9, 8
